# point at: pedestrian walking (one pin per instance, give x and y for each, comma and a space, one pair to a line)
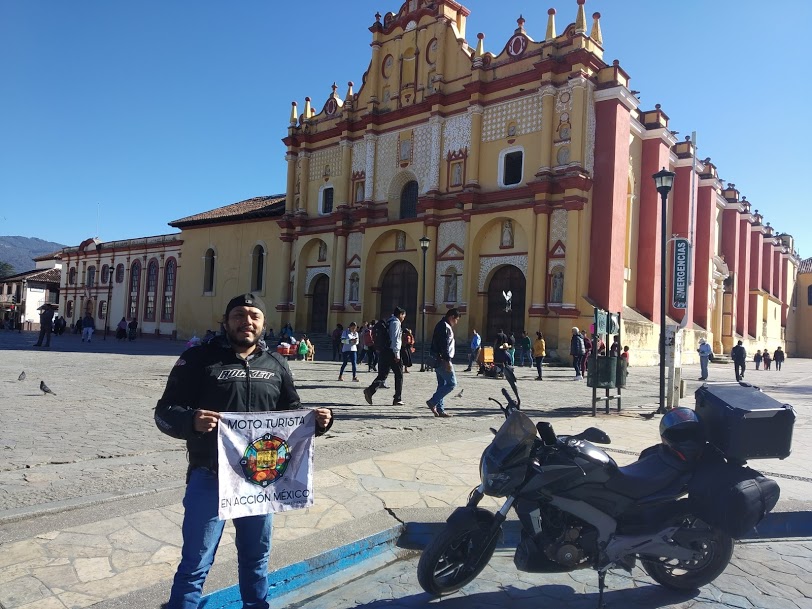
705, 354
336, 337
121, 330
406, 350
512, 348
349, 351
442, 351
625, 354
539, 353
476, 345
132, 330
614, 348
501, 349
191, 406
778, 358
526, 353
767, 359
387, 340
577, 351
46, 320
739, 356
757, 359
88, 327
587, 352
369, 347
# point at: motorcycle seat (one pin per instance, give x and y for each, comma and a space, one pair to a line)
644, 477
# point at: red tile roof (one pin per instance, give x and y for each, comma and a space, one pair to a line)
258, 207
57, 255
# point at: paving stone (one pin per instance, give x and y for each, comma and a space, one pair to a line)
22, 591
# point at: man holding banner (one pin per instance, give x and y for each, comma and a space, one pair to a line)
244, 463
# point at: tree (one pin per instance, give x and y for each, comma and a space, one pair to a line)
6, 270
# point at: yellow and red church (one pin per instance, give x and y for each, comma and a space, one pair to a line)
527, 168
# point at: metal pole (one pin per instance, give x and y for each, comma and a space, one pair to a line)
109, 296
663, 242
423, 317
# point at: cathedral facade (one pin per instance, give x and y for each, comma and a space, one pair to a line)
526, 172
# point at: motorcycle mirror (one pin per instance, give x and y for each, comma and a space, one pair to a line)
594, 435
511, 379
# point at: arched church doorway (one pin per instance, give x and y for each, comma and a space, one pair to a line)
506, 279
399, 289
319, 304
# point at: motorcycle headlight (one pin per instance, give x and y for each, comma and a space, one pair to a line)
494, 481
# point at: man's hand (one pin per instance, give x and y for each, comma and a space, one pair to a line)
323, 417
206, 420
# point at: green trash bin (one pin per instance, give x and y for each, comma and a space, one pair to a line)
602, 374
622, 373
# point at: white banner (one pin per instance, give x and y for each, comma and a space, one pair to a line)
265, 462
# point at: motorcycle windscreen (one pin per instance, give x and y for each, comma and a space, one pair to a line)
513, 441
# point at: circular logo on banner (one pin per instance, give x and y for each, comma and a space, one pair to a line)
265, 460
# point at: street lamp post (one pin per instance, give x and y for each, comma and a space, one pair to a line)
663, 180
21, 306
424, 245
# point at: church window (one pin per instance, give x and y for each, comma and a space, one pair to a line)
120, 273
408, 200
809, 296
105, 275
208, 271
511, 166
69, 309
91, 276
168, 310
135, 286
257, 268
72, 276
152, 290
102, 309
326, 203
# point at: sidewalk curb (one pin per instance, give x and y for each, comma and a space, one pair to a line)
298, 575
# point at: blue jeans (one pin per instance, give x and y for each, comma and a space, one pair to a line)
446, 381
703, 365
201, 535
539, 361
526, 356
348, 356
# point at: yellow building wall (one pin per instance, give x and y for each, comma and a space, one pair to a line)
800, 318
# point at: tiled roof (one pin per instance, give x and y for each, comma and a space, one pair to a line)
258, 207
43, 275
806, 266
57, 255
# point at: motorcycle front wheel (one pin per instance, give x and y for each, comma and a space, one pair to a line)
715, 551
442, 568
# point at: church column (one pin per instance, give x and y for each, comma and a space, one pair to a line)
339, 270
572, 258
609, 192
756, 266
284, 296
730, 246
682, 198
431, 265
304, 181
704, 250
719, 305
369, 180
472, 166
743, 290
290, 188
777, 271
547, 116
538, 261
436, 123
657, 142
785, 279
346, 173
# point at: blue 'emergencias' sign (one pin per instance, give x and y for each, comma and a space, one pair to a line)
682, 260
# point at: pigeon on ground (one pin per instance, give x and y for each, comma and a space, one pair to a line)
649, 415
44, 388
459, 395
22, 376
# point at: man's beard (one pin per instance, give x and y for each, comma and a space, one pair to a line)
235, 339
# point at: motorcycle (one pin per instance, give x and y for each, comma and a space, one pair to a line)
578, 509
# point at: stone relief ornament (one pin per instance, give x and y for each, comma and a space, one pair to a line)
322, 251
557, 291
400, 241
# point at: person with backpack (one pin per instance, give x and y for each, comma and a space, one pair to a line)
387, 340
369, 346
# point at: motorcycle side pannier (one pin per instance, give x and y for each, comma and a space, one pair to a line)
745, 423
731, 497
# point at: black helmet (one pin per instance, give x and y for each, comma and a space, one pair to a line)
682, 432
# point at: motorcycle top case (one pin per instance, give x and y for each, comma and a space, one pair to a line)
745, 423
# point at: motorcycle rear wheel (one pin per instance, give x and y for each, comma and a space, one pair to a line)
442, 569
680, 575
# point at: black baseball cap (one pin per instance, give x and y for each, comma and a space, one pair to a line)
246, 300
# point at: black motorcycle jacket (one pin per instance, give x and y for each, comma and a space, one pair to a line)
212, 377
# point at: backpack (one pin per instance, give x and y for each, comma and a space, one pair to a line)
380, 336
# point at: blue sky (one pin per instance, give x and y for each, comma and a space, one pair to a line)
149, 111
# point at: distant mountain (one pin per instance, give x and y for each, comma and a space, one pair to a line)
19, 251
